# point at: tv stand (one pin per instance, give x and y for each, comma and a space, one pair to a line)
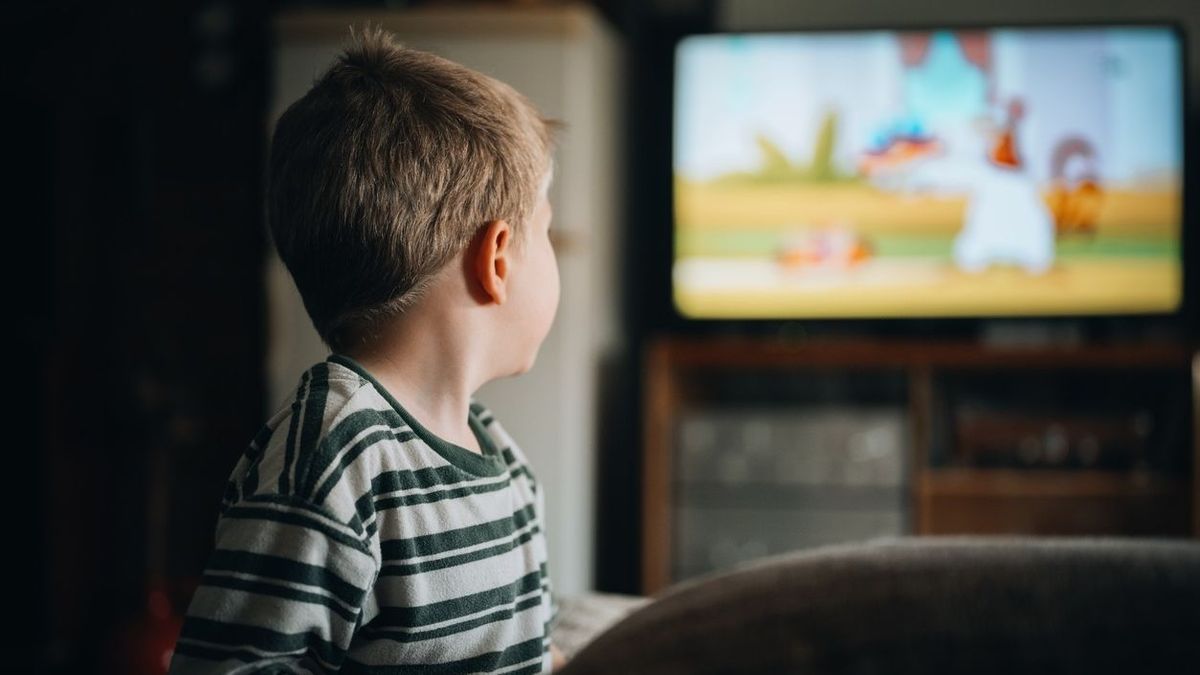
999, 438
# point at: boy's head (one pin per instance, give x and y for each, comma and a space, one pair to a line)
386, 170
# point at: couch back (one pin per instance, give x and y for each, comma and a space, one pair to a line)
924, 605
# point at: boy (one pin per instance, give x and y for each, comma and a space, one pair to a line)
382, 518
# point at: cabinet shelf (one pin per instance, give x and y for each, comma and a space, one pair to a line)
1046, 483
759, 496
947, 398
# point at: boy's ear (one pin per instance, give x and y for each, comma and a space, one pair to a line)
492, 257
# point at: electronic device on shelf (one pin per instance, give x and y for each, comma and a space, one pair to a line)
1032, 440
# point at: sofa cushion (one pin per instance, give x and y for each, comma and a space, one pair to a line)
583, 616
924, 605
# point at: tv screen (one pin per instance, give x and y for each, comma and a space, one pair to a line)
943, 173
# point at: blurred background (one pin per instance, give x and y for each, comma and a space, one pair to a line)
157, 330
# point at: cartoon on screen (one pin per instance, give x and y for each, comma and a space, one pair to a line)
928, 173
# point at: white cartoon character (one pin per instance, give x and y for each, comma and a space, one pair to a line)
1007, 220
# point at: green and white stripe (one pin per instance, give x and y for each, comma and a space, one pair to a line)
353, 540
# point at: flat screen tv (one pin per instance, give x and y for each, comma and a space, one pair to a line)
1025, 171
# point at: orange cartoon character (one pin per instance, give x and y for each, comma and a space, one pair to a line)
1075, 196
832, 247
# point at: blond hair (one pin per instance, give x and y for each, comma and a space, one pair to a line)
387, 169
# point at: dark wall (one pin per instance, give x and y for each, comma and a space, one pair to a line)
136, 278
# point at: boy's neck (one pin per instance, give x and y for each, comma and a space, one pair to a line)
431, 369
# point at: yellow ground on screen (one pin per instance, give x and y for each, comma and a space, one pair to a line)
700, 208
1076, 288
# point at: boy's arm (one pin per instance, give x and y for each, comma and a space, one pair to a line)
557, 658
283, 590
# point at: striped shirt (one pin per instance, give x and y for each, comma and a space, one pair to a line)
353, 540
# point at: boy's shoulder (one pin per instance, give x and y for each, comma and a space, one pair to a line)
323, 440
325, 388
304, 449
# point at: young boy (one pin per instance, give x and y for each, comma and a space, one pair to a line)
383, 519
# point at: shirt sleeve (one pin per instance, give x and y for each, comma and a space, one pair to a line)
283, 592
552, 596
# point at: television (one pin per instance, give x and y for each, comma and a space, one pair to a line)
887, 174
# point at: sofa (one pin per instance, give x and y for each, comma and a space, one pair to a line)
910, 605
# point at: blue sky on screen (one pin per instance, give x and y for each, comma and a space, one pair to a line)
1119, 88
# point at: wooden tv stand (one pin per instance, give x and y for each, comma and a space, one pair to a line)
950, 487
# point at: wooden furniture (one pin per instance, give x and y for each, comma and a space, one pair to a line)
1155, 495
